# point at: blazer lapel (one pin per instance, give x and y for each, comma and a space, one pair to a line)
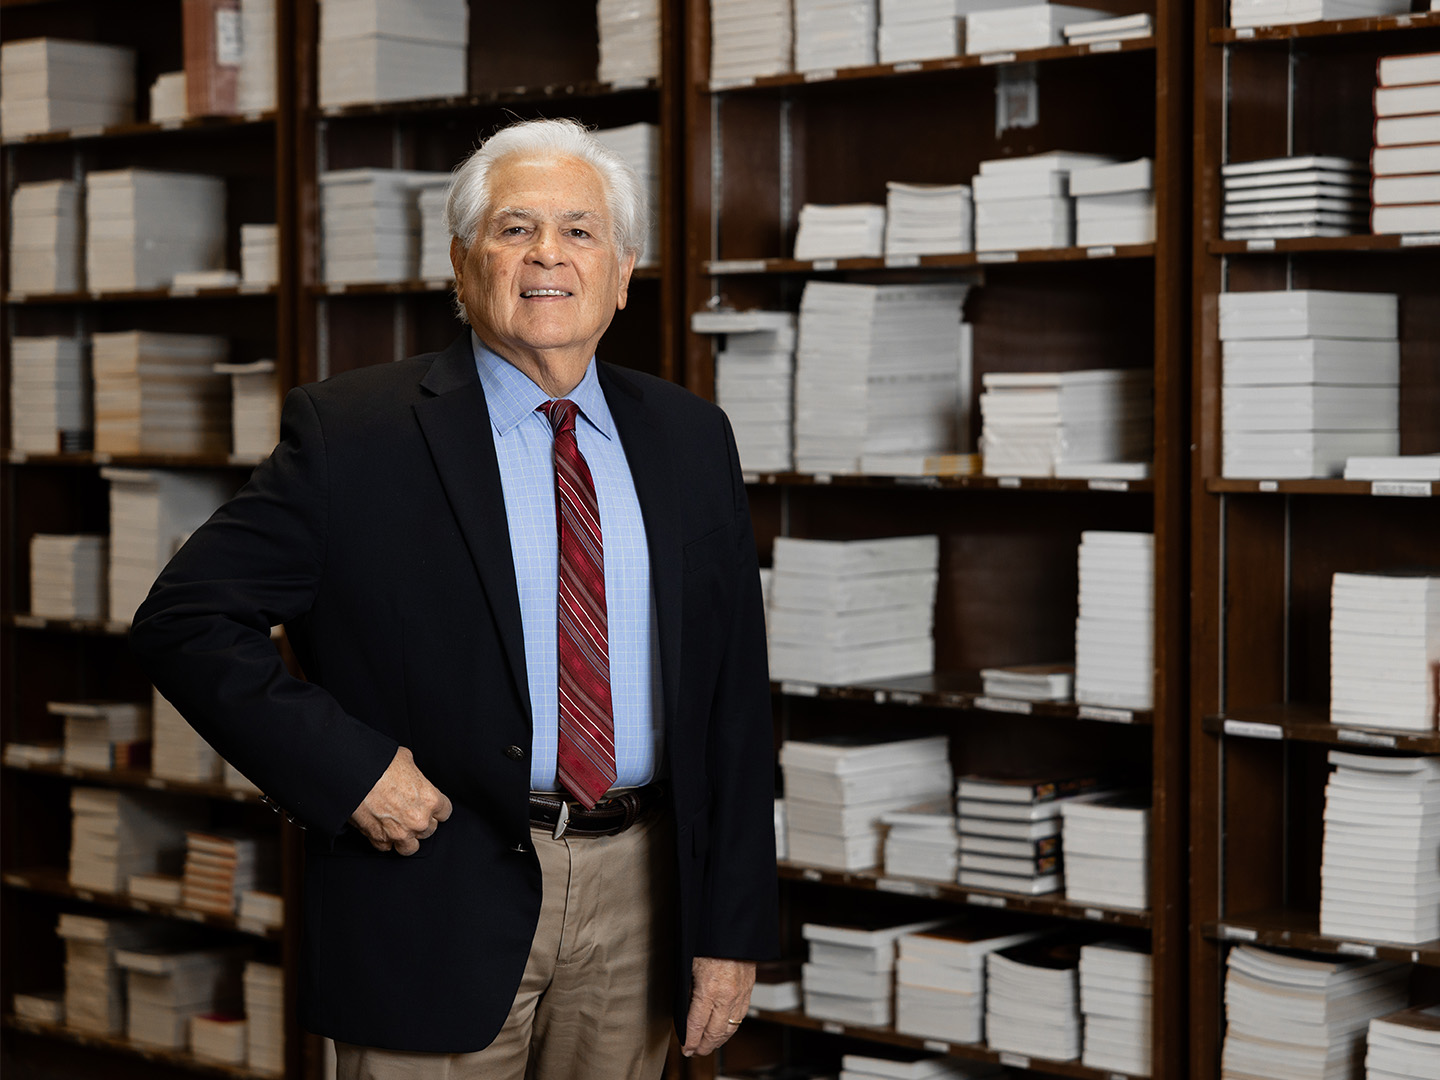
456, 425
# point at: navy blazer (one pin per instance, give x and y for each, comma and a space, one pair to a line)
376, 533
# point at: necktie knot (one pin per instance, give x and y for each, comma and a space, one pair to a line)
561, 413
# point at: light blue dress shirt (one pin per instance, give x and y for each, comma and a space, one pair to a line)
524, 447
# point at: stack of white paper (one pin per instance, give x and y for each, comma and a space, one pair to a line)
928, 219
370, 221
165, 987
392, 50
749, 38
1029, 682
849, 611
50, 409
45, 1006
851, 231
1033, 26
254, 407
1120, 28
179, 753
218, 1037
161, 888
434, 237
100, 734
255, 90
755, 382
1384, 648
1379, 875
265, 1017
639, 145
834, 34
940, 981
151, 511
118, 833
168, 98
23, 755
1010, 830
1396, 467
221, 866
850, 976
1116, 1000
45, 243
260, 910
94, 985
47, 84
922, 842
1290, 1018
1404, 1045
1406, 159
881, 369
1023, 202
1311, 378
1114, 204
260, 254
67, 576
143, 227
1032, 1000
897, 1064
838, 788
1033, 422
1295, 196
1115, 632
919, 30
629, 40
158, 393
1107, 851
1283, 12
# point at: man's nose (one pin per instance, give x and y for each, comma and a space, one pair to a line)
545, 246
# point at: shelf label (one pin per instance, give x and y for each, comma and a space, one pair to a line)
830, 1027
172, 123
1100, 251
1414, 488
750, 477
438, 283
1365, 738
192, 916
879, 697
140, 905
917, 481
1103, 483
907, 888
732, 84
997, 256
1260, 245
1253, 729
811, 874
906, 697
901, 262
986, 900
1238, 933
69, 770
1014, 1061
1402, 20
240, 796
184, 290
1006, 705
254, 116
1117, 1076
1245, 33
335, 288
998, 58
799, 689
87, 131
155, 782
953, 700
253, 288
907, 67
85, 894
1094, 913
1420, 239
937, 1046
824, 264
821, 477
1099, 712
1268, 485
1105, 46
820, 75
735, 266
1356, 948
1008, 482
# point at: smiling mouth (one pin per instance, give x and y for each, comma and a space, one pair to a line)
533, 294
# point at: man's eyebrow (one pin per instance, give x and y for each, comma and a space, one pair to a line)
526, 213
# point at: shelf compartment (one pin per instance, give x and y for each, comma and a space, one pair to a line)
966, 261
1310, 723
515, 95
173, 1058
1361, 242
1288, 929
983, 483
1330, 28
137, 778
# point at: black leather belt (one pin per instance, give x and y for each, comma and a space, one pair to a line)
610, 816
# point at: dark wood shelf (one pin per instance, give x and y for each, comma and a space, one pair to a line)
1053, 904
978, 483
227, 292
137, 778
1413, 488
52, 881
189, 124
967, 261
139, 461
174, 1058
514, 95
99, 627
1311, 723
1331, 28
1286, 929
1362, 242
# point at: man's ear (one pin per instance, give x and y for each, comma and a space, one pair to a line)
627, 267
457, 259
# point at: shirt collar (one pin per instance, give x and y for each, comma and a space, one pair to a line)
511, 395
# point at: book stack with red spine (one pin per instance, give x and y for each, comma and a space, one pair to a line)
1406, 159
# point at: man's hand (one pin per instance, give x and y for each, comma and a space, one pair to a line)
719, 1000
402, 808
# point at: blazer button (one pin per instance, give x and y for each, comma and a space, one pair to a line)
515, 753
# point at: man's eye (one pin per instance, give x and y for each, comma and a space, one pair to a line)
580, 233
513, 230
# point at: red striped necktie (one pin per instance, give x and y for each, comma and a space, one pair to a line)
585, 756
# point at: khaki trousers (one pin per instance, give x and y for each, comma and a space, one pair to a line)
594, 1003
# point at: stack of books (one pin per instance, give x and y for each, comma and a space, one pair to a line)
897, 1064
1311, 378
1296, 1018
44, 1006
629, 41
143, 227
218, 1037
265, 1017
920, 30
838, 788
881, 369
1029, 682
1284, 12
161, 888
179, 753
928, 219
749, 39
1403, 1045
922, 842
1010, 830
1295, 196
1116, 1000
1394, 467
165, 987
1120, 28
260, 911
370, 222
151, 512
50, 407
1031, 26
639, 145
1107, 851
104, 734
853, 610
255, 89
1406, 160
25, 755
1114, 204
1023, 202
260, 254
392, 50
833, 34
118, 833
434, 236
94, 985
45, 245
850, 231
755, 383
1384, 648
67, 576
850, 976
220, 866
254, 407
1115, 631
48, 84
168, 98
159, 393
1032, 1000
940, 981
1033, 423
1379, 878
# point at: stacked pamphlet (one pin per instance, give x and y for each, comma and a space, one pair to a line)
1033, 26
1029, 682
94, 984
161, 888
1023, 202
897, 1064
159, 393
165, 987
1120, 28
629, 40
434, 236
392, 50
50, 405
45, 242
1379, 877
922, 842
777, 986
1032, 422
1107, 851
259, 911
1284, 12
881, 369
1032, 1000
639, 145
1403, 1045
118, 833
850, 976
1010, 830
1116, 1000
1292, 1018
1295, 196
852, 231
940, 981
838, 788
749, 39
143, 227
179, 753
104, 734
853, 610
254, 407
370, 222
260, 254
755, 382
1384, 648
67, 576
1311, 378
834, 34
255, 90
1396, 467
1406, 160
168, 99
48, 84
220, 866
45, 1006
928, 219
24, 755
265, 1017
1114, 204
218, 1037
1115, 631
920, 30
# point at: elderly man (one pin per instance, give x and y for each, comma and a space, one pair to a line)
533, 754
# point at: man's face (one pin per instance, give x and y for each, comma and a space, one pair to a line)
542, 280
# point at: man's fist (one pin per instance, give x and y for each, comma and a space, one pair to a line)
402, 808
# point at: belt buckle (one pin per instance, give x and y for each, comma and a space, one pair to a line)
563, 819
